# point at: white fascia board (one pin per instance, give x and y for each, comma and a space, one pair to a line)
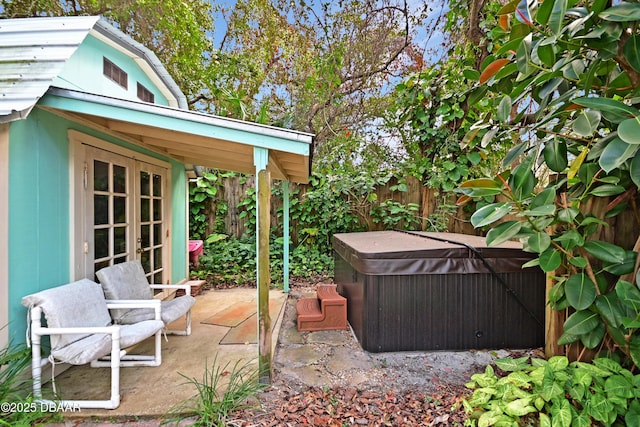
191, 122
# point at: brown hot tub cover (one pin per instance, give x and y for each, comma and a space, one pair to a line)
421, 252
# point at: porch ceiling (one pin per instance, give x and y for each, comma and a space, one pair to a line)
192, 138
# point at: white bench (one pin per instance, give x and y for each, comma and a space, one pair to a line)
127, 280
81, 332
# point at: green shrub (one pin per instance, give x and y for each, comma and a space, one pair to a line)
554, 393
331, 203
233, 261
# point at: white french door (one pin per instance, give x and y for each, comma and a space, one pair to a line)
110, 220
152, 232
122, 204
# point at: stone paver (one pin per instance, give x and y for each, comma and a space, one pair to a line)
128, 423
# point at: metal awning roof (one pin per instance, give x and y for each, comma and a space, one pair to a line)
189, 137
33, 52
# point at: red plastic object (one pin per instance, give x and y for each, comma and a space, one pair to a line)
326, 312
196, 248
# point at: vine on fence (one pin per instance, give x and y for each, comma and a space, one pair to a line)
206, 209
331, 204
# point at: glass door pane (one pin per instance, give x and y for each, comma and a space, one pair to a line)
151, 221
111, 230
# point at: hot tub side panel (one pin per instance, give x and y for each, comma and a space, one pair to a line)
443, 311
351, 285
452, 312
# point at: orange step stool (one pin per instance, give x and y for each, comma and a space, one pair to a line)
328, 311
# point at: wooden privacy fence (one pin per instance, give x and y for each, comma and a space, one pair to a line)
622, 230
235, 189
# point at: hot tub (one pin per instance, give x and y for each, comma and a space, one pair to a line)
415, 291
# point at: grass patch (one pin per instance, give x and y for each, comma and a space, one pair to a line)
222, 390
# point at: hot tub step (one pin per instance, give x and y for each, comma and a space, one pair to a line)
309, 309
328, 311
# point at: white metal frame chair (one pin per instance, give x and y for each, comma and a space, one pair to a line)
81, 332
127, 280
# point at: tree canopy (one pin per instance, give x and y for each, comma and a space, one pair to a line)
323, 67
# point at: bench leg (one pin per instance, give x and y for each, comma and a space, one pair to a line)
115, 370
36, 366
184, 332
36, 372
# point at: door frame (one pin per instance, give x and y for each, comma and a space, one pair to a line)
4, 234
77, 208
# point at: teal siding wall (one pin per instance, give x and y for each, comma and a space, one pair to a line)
39, 245
83, 71
38, 212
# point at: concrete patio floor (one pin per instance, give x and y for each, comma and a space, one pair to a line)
148, 392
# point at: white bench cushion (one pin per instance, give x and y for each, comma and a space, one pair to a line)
77, 304
128, 281
171, 310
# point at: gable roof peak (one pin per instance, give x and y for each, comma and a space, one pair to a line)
35, 50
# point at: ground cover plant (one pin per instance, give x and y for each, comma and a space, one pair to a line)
554, 392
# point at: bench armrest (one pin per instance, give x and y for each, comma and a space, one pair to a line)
133, 303
111, 330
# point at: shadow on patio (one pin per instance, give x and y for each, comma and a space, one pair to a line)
223, 323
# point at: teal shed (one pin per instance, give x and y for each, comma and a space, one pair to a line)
96, 146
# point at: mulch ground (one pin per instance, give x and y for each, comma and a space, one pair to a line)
351, 407
287, 404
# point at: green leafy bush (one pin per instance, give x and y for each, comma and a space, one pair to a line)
331, 204
563, 81
232, 261
545, 393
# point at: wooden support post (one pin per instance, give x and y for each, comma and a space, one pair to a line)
264, 277
286, 234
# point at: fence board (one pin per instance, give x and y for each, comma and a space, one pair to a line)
234, 190
622, 230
